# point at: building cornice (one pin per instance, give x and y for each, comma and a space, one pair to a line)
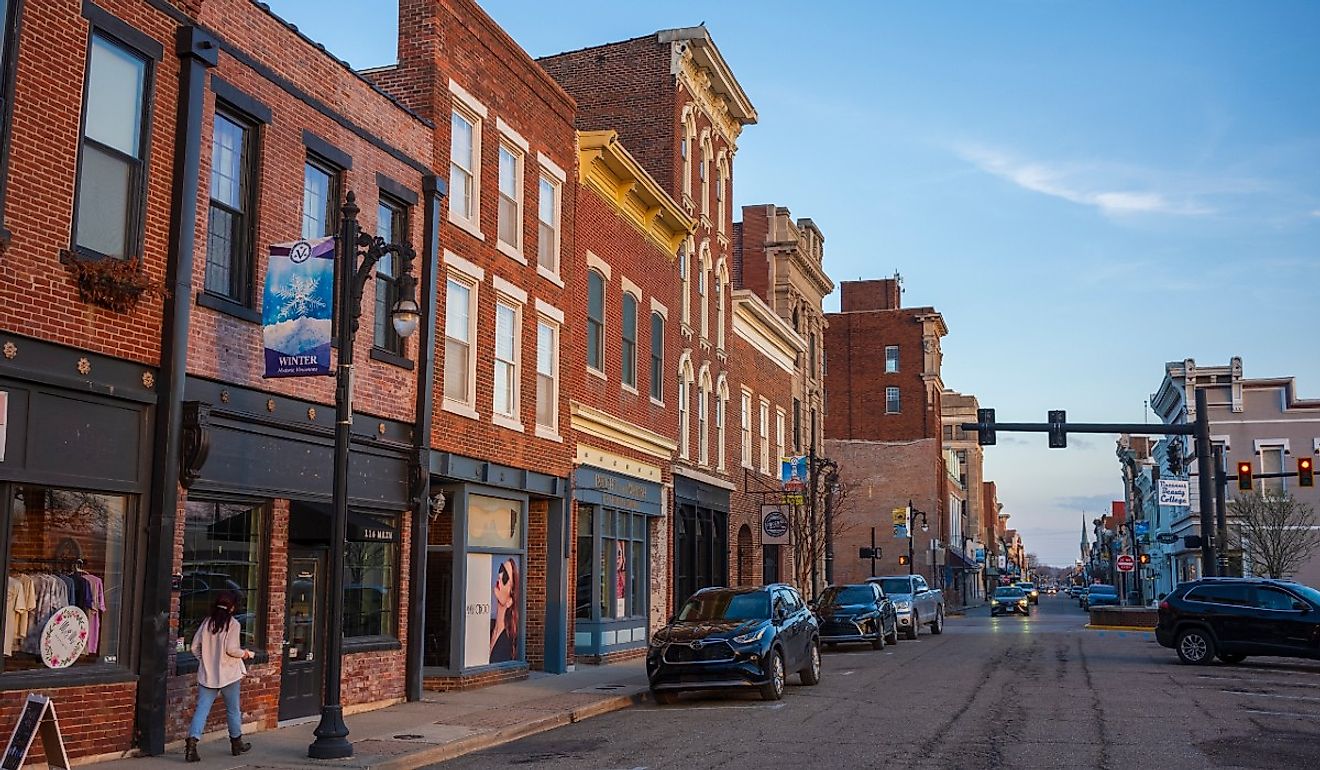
697, 64
764, 330
607, 167
603, 458
605, 426
704, 478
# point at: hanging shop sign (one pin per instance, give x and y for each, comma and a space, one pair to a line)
64, 637
295, 314
775, 525
37, 717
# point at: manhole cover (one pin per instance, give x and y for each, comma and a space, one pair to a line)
408, 737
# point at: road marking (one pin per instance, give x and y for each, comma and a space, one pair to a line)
1279, 713
1269, 695
847, 673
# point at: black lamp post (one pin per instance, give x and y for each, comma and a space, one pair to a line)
913, 513
332, 734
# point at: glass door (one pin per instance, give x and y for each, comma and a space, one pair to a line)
302, 678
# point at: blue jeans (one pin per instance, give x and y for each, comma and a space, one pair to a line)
233, 714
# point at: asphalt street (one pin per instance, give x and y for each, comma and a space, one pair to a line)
1038, 692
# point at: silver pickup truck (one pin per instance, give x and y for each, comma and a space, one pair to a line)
915, 603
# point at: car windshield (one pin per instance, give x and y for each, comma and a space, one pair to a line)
896, 585
1009, 593
727, 605
1027, 586
1104, 590
848, 595
1310, 593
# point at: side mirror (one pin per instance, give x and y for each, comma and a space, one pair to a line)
1301, 606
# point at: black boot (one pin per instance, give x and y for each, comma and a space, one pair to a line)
190, 751
237, 746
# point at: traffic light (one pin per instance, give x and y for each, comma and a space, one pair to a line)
902, 560
870, 553
1244, 475
1305, 472
1144, 558
1174, 455
986, 435
1058, 438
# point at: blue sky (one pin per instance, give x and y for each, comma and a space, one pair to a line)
1085, 190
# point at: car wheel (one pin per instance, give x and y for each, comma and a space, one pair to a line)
664, 697
878, 643
892, 636
938, 626
774, 689
914, 629
1195, 647
811, 674
1232, 658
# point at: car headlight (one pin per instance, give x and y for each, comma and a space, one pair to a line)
902, 605
750, 637
1023, 602
994, 602
659, 641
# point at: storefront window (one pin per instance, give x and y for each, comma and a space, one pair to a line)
370, 565
222, 552
493, 611
494, 523
586, 547
620, 576
65, 578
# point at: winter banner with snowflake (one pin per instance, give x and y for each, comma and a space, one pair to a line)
295, 313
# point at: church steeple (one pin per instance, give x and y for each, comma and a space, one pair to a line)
1086, 540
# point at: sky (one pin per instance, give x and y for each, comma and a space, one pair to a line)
1085, 190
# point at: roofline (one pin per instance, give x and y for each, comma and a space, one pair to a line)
741, 107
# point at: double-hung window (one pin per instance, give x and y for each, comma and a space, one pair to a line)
891, 359
506, 359
892, 401
629, 348
460, 330
319, 197
657, 356
746, 424
464, 182
703, 424
547, 225
229, 247
596, 321
684, 386
721, 407
1271, 461
111, 165
547, 375
780, 433
392, 226
702, 279
765, 436
510, 212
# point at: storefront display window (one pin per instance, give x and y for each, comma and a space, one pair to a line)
493, 628
65, 577
617, 549
370, 569
222, 552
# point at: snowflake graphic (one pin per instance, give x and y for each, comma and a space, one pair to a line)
299, 296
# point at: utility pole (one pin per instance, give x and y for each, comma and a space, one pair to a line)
1221, 514
1205, 461
813, 471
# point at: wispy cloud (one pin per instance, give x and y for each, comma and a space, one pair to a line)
1316, 213
1079, 184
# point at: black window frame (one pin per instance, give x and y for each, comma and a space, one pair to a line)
596, 323
8, 66
657, 356
383, 641
628, 338
243, 259
315, 160
150, 51
384, 339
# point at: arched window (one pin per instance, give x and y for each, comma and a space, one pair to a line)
685, 379
629, 359
687, 148
721, 412
721, 185
596, 320
704, 172
721, 283
685, 279
703, 417
703, 295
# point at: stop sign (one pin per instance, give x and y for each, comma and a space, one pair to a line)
1125, 563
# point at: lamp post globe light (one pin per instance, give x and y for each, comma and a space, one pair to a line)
354, 245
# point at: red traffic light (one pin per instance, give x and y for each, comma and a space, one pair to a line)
1244, 475
902, 560
1305, 472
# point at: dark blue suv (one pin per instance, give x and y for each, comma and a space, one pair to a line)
1231, 618
736, 637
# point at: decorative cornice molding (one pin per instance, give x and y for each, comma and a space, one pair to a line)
605, 426
764, 330
609, 169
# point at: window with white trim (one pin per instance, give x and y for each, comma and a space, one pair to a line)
505, 401
703, 173
781, 433
720, 182
629, 341
464, 154
510, 228
547, 374
596, 320
683, 385
684, 277
892, 401
746, 415
1271, 461
703, 424
765, 436
657, 356
460, 331
547, 227
721, 279
702, 278
891, 359
721, 411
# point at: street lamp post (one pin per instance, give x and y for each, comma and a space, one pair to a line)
912, 536
332, 734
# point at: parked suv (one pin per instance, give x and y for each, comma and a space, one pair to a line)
735, 637
857, 613
1231, 618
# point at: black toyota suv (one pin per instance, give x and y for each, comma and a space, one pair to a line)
857, 613
1231, 618
735, 637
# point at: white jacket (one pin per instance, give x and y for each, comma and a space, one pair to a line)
219, 656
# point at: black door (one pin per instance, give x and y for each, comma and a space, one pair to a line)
302, 676
770, 564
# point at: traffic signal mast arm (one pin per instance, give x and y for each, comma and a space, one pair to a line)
1136, 429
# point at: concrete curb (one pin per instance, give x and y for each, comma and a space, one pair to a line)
1141, 629
482, 741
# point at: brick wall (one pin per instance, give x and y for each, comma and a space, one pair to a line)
94, 720
753, 268
856, 381
879, 294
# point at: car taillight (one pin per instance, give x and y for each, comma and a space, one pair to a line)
1164, 605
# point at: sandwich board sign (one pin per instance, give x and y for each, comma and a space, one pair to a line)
38, 715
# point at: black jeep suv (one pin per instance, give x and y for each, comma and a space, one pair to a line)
1231, 618
736, 637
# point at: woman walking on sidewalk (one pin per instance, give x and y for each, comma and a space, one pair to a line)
220, 669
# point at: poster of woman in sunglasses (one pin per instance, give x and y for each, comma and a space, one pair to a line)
504, 609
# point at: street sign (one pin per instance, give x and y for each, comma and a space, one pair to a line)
774, 525
1125, 563
1175, 492
1141, 528
1168, 538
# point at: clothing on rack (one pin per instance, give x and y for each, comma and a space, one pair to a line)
33, 597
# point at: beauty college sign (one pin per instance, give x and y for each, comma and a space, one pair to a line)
1175, 493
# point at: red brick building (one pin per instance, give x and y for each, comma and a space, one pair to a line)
623, 421
676, 105
882, 423
495, 593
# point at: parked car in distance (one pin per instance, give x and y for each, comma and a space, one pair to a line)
1081, 596
1033, 593
856, 613
914, 602
1101, 595
1231, 618
1009, 600
735, 637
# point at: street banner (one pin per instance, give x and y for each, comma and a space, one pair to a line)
900, 522
775, 525
1175, 492
980, 556
1141, 528
793, 472
295, 309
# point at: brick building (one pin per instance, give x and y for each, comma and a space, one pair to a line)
964, 566
499, 459
781, 260
676, 105
623, 423
883, 423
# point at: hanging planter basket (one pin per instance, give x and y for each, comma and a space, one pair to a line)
114, 284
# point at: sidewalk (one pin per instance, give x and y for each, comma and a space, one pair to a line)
440, 727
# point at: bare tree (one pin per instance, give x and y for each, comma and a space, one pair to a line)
1277, 533
808, 546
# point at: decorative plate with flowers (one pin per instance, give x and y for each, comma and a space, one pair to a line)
64, 637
